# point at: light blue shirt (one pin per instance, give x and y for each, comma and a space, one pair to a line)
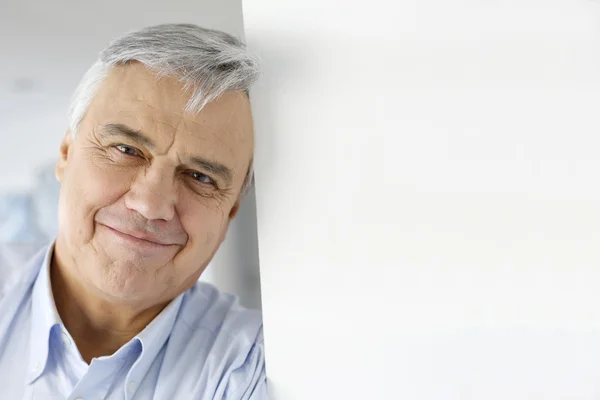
203, 345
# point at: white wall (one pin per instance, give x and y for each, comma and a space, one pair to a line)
45, 47
427, 199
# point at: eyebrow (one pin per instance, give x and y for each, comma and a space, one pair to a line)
214, 167
120, 130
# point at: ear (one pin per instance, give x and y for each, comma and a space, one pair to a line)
63, 158
234, 210
232, 214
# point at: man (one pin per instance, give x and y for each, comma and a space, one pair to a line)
152, 169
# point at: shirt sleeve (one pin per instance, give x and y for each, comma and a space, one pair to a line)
249, 381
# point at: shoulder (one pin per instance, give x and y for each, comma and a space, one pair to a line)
205, 307
213, 327
19, 263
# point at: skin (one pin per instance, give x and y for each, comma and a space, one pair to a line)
129, 181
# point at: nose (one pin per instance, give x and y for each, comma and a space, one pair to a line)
152, 194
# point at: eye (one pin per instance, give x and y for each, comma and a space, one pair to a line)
128, 150
201, 178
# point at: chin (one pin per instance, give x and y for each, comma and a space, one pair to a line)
123, 284
128, 278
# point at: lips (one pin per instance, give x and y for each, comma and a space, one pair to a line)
139, 235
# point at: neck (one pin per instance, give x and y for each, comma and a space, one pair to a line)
98, 326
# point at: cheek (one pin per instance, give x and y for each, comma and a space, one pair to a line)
204, 223
88, 186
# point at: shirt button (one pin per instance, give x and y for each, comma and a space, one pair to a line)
66, 340
36, 367
131, 387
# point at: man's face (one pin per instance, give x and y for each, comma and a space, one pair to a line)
147, 190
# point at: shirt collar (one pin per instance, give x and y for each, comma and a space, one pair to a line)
153, 338
43, 318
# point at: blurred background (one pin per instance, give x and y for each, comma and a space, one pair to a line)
45, 48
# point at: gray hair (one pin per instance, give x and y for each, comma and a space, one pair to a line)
207, 62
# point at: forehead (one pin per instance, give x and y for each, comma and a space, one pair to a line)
132, 95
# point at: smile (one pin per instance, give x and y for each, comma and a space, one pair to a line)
135, 240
